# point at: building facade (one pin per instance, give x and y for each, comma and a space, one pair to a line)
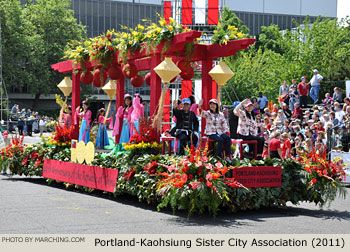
101, 15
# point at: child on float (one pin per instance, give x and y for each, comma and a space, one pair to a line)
216, 128
67, 117
102, 136
124, 115
84, 131
138, 112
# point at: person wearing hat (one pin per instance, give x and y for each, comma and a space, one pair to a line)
247, 127
123, 117
303, 90
102, 136
216, 128
84, 131
187, 125
315, 85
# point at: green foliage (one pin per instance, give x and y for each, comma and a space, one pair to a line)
34, 38
287, 55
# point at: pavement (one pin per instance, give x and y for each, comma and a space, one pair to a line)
30, 205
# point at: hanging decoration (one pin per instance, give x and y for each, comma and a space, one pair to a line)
130, 70
110, 89
148, 78
166, 70
137, 81
100, 78
221, 73
86, 77
66, 87
115, 72
187, 72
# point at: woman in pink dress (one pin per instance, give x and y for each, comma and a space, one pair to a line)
137, 113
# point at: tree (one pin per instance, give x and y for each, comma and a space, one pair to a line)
38, 34
284, 55
14, 43
53, 24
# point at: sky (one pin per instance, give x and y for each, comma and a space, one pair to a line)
343, 8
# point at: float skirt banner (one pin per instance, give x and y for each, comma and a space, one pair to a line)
85, 175
258, 176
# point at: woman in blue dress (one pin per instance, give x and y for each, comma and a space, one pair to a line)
102, 136
84, 131
123, 116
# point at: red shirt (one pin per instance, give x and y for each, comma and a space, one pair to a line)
274, 144
297, 113
303, 88
286, 145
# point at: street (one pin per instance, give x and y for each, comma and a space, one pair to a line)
30, 205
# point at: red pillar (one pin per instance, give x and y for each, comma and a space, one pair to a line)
166, 113
186, 88
75, 100
156, 88
214, 90
119, 102
207, 90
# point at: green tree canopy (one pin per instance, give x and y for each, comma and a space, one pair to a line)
285, 55
37, 34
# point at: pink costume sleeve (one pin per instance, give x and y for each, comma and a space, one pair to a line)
87, 117
77, 115
194, 108
138, 109
117, 121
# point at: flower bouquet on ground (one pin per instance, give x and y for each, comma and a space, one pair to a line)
323, 176
143, 141
12, 155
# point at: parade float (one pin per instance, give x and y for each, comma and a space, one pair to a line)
197, 182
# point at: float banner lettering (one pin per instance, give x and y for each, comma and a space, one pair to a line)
85, 175
258, 176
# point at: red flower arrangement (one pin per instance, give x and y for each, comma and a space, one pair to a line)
144, 134
129, 174
151, 167
63, 134
318, 167
195, 170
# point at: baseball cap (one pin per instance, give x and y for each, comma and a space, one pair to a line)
248, 104
235, 104
315, 70
213, 101
186, 100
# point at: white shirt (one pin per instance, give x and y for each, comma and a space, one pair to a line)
314, 80
339, 115
41, 123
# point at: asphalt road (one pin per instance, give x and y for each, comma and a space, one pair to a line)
29, 205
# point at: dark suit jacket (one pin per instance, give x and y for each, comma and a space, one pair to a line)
179, 114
